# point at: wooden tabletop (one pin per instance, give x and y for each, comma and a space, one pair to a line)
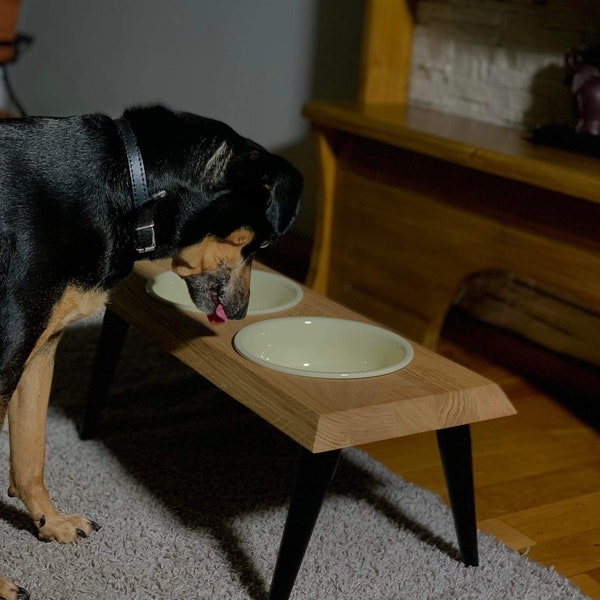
490, 148
321, 414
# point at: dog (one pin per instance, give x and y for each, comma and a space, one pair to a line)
81, 199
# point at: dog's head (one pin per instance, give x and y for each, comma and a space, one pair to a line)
227, 197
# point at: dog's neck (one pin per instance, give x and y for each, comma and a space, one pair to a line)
143, 203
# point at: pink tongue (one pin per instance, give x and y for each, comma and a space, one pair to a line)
218, 316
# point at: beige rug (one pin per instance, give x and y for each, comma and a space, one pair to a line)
191, 491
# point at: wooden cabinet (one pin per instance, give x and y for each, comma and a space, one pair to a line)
9, 15
413, 202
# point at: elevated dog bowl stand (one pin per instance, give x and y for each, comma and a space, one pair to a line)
321, 415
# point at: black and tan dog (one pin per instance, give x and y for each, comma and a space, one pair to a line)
83, 198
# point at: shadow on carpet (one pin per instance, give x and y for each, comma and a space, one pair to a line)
192, 489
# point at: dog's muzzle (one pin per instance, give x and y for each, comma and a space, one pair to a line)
221, 294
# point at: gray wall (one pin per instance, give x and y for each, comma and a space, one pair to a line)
250, 63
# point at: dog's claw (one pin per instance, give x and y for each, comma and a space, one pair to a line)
22, 594
95, 527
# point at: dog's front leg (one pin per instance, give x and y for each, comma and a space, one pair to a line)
8, 590
27, 430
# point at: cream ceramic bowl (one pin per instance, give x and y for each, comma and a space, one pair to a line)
323, 347
269, 292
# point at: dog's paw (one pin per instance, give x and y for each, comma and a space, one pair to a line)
10, 591
65, 529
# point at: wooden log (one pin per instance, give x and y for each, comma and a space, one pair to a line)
539, 313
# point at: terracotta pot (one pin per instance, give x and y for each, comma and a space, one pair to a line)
9, 16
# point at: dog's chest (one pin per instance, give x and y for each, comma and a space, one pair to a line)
75, 304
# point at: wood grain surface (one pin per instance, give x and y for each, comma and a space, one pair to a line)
482, 146
429, 394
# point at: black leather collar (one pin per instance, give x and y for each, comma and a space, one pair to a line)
144, 236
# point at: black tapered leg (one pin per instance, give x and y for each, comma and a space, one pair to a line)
315, 472
112, 338
455, 449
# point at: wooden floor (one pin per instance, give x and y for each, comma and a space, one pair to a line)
537, 474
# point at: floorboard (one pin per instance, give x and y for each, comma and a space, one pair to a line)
537, 474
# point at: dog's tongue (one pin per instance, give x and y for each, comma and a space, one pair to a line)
218, 316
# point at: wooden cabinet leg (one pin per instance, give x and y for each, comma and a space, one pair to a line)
315, 472
112, 338
455, 450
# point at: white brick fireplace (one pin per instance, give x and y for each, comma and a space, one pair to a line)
499, 60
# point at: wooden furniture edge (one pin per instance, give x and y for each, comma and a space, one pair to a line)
489, 148
386, 51
320, 259
480, 403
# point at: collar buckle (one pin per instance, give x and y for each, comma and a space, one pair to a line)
144, 234
145, 238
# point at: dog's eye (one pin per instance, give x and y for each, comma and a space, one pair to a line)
265, 245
